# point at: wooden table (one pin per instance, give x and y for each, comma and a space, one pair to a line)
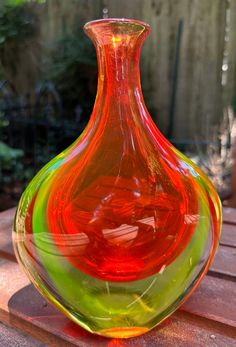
208, 318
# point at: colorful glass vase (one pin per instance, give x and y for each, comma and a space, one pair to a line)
120, 228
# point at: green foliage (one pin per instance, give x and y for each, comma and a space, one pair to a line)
71, 64
9, 154
15, 24
20, 2
72, 49
15, 2
10, 160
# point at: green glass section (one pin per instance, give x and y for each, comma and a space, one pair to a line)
99, 305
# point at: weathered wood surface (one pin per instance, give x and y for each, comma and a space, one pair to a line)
208, 318
230, 54
229, 216
9, 337
199, 92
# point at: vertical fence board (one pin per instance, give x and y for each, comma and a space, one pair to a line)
124, 9
199, 89
59, 17
230, 87
158, 57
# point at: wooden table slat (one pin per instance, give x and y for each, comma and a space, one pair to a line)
229, 215
228, 237
211, 300
12, 338
225, 261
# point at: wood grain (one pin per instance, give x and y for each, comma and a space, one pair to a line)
13, 338
229, 215
228, 237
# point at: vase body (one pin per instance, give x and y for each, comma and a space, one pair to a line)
119, 229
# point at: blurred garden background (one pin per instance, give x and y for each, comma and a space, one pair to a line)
48, 80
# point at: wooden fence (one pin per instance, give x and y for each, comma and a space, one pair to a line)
181, 60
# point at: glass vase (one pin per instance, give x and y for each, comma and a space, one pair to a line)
120, 228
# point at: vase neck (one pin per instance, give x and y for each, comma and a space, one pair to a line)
118, 43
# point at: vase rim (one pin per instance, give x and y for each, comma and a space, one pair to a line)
106, 21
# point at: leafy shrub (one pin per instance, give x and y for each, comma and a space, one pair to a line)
71, 65
15, 22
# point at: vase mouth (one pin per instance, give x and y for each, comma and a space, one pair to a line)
132, 26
